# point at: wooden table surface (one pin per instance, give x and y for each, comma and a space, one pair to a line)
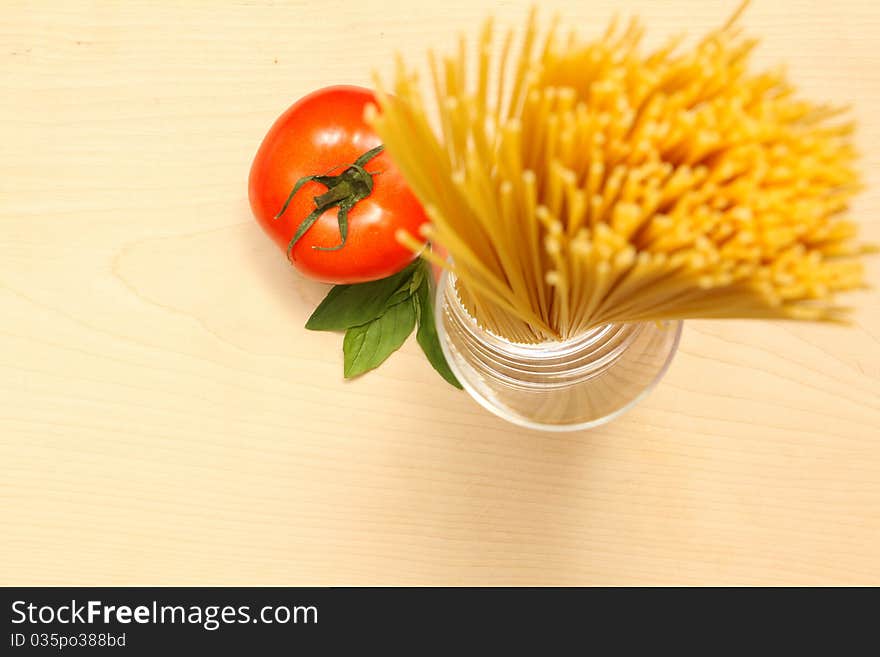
165, 418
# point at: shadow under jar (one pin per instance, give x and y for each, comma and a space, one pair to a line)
567, 385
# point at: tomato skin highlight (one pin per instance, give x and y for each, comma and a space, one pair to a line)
322, 133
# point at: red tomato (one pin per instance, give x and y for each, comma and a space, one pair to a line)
321, 134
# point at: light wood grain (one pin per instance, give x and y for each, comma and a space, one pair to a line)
164, 417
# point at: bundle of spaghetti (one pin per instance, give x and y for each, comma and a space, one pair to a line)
581, 183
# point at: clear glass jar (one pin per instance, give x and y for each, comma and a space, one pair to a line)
569, 385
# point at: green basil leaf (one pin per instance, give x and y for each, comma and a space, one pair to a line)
367, 346
418, 276
427, 336
346, 306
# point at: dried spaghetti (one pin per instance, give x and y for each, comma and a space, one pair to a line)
590, 183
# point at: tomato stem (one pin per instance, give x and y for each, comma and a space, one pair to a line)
344, 191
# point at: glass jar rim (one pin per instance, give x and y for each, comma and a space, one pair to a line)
543, 352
